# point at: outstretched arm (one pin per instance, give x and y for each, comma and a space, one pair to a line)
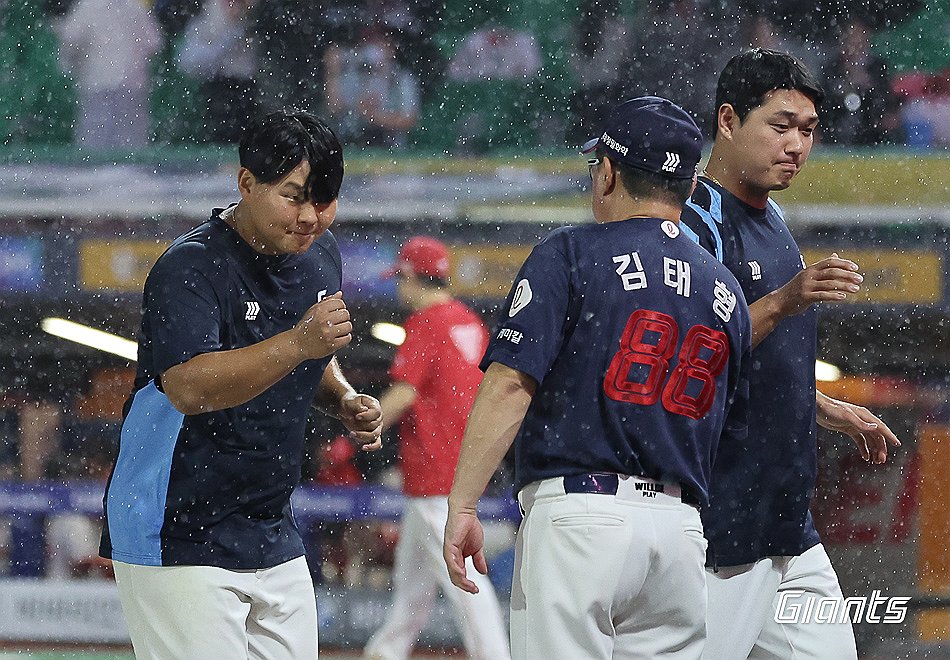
870, 434
496, 416
829, 280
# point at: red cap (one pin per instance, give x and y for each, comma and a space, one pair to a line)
422, 255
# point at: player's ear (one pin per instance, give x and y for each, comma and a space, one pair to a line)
727, 120
246, 181
609, 172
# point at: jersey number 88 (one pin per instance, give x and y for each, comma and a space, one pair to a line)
701, 358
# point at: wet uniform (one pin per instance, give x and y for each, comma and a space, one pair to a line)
213, 489
637, 340
760, 495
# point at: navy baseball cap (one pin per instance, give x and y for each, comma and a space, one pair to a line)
652, 134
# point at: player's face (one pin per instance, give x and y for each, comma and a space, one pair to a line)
278, 218
775, 139
407, 287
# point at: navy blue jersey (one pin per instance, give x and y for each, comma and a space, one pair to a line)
761, 493
213, 489
636, 338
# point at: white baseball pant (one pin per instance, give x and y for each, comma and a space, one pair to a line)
201, 612
743, 601
607, 576
419, 569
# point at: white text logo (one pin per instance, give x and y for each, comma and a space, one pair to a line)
671, 163
725, 301
631, 281
676, 275
799, 607
253, 309
756, 270
613, 144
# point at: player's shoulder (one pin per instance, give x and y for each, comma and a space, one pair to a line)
199, 247
703, 197
327, 246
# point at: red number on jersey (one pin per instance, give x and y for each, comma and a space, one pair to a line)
635, 350
693, 365
656, 353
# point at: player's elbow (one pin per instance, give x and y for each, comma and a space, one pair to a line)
183, 393
186, 402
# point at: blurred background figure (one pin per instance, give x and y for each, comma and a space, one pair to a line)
106, 46
219, 47
434, 376
602, 63
678, 51
371, 98
860, 109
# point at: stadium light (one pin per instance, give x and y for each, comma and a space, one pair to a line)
389, 333
826, 372
83, 334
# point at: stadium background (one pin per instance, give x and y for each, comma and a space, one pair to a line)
80, 227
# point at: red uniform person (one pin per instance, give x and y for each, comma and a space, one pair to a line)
434, 379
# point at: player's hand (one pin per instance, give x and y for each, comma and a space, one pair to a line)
362, 416
463, 538
325, 328
830, 280
870, 434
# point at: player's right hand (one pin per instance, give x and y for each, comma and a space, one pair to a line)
325, 328
463, 538
832, 279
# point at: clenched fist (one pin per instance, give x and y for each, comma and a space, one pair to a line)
325, 328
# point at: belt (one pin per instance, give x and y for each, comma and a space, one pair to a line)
608, 483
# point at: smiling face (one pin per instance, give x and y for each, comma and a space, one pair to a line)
773, 143
277, 218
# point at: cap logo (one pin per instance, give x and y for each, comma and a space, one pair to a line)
671, 163
613, 144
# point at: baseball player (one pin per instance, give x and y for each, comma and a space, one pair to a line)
617, 363
434, 378
762, 540
241, 318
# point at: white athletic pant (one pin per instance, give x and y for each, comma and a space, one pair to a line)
204, 612
604, 576
743, 600
419, 569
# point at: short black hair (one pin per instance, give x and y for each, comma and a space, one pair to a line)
276, 143
650, 185
750, 75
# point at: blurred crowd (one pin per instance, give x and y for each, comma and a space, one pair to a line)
424, 74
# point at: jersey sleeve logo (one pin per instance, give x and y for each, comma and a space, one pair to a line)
521, 298
725, 301
253, 309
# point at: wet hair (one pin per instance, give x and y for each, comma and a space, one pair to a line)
749, 76
650, 185
273, 145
